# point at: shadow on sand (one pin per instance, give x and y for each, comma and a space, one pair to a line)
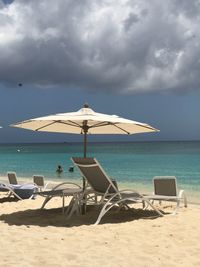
8, 199
54, 217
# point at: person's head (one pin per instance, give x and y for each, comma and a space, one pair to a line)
59, 169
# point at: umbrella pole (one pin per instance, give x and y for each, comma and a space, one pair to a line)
85, 155
85, 144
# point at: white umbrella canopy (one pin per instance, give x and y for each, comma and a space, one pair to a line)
85, 121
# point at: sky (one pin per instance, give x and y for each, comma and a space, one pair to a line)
137, 59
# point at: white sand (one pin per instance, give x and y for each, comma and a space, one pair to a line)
31, 237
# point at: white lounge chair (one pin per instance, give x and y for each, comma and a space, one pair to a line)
19, 191
7, 189
12, 177
165, 189
63, 190
39, 181
104, 187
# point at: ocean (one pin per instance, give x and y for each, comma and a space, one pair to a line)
133, 164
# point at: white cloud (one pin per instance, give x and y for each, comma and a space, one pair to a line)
125, 46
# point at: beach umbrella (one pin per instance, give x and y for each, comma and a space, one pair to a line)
85, 121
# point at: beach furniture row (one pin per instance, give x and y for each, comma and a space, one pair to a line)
99, 190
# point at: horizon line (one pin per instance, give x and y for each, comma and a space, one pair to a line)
92, 142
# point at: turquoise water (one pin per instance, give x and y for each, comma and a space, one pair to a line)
134, 162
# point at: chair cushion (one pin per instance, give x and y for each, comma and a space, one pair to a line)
24, 191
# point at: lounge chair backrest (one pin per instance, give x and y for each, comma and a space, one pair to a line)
165, 185
12, 178
95, 175
38, 180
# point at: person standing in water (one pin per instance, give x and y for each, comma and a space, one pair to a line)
59, 170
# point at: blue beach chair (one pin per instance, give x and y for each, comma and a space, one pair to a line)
20, 192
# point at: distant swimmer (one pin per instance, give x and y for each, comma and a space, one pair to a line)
59, 169
18, 150
71, 169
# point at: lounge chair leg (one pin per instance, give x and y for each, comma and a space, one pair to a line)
95, 199
122, 205
63, 204
154, 208
45, 201
184, 199
104, 210
69, 208
18, 197
73, 207
177, 207
102, 213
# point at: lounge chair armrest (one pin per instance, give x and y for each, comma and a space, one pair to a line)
148, 194
183, 196
65, 183
46, 185
28, 184
131, 191
119, 193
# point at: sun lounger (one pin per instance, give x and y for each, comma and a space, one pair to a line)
39, 181
7, 189
63, 190
25, 191
19, 191
165, 189
104, 187
12, 177
22, 191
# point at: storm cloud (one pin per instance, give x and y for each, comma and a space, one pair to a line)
133, 46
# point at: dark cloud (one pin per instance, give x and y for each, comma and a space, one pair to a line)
7, 1
125, 46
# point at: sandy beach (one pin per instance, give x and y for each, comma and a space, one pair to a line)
104, 96
34, 237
